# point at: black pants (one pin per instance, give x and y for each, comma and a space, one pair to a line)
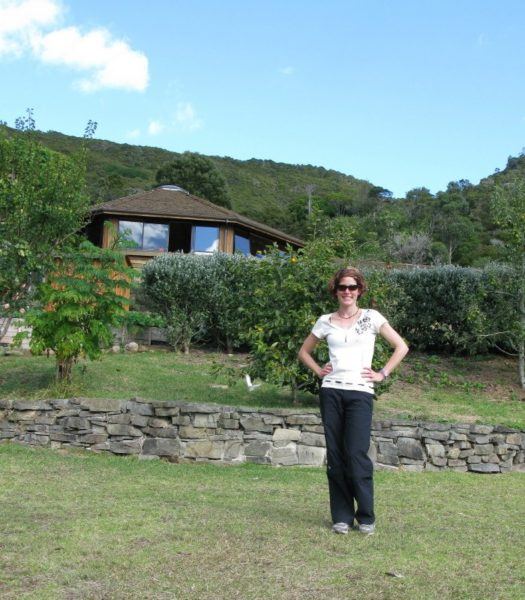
347, 419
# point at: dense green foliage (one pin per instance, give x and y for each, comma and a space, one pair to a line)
267, 305
456, 310
42, 204
78, 303
200, 297
453, 226
289, 293
270, 305
197, 175
508, 207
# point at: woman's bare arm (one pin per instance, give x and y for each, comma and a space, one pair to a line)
305, 356
400, 350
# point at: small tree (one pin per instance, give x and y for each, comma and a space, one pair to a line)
411, 248
79, 302
508, 208
198, 175
42, 204
288, 293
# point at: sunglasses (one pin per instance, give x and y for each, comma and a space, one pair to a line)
351, 288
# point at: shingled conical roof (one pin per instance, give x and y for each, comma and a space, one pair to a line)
172, 202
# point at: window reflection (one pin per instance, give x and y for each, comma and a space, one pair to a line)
144, 236
205, 239
131, 234
242, 244
155, 237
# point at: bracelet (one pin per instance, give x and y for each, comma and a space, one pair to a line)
383, 373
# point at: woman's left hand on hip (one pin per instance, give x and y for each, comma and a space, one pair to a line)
370, 375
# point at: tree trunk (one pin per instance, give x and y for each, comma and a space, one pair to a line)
521, 363
294, 387
64, 369
521, 341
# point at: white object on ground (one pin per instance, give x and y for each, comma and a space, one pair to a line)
251, 386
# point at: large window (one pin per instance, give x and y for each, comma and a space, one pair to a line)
205, 239
144, 236
241, 244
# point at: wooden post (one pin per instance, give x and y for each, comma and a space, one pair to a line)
226, 236
109, 232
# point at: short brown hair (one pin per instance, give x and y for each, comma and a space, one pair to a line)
347, 272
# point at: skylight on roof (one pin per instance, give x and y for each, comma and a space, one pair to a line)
174, 188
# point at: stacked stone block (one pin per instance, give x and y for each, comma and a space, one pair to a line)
419, 446
182, 432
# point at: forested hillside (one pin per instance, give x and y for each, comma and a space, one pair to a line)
452, 226
262, 189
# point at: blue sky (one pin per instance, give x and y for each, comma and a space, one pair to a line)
403, 93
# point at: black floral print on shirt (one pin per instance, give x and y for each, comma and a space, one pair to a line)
364, 324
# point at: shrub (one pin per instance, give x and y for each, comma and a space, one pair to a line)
79, 303
202, 298
176, 286
502, 307
288, 293
231, 280
270, 305
454, 309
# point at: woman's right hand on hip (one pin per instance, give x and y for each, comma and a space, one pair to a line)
326, 370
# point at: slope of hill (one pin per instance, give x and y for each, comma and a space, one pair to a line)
261, 189
451, 226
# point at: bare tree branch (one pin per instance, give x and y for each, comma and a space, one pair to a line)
505, 351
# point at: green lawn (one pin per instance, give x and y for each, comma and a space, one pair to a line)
154, 375
86, 526
480, 389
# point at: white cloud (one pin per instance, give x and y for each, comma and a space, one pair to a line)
107, 61
113, 64
133, 134
20, 20
186, 117
287, 71
155, 127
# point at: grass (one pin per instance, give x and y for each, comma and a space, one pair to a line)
86, 526
480, 389
477, 390
157, 375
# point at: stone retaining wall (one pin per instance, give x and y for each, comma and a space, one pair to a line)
200, 432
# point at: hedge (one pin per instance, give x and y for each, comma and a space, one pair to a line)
233, 300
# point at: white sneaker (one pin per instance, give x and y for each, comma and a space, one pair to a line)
367, 528
340, 528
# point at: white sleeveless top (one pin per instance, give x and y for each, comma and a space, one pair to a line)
350, 349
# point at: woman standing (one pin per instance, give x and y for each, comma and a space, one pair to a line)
347, 394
